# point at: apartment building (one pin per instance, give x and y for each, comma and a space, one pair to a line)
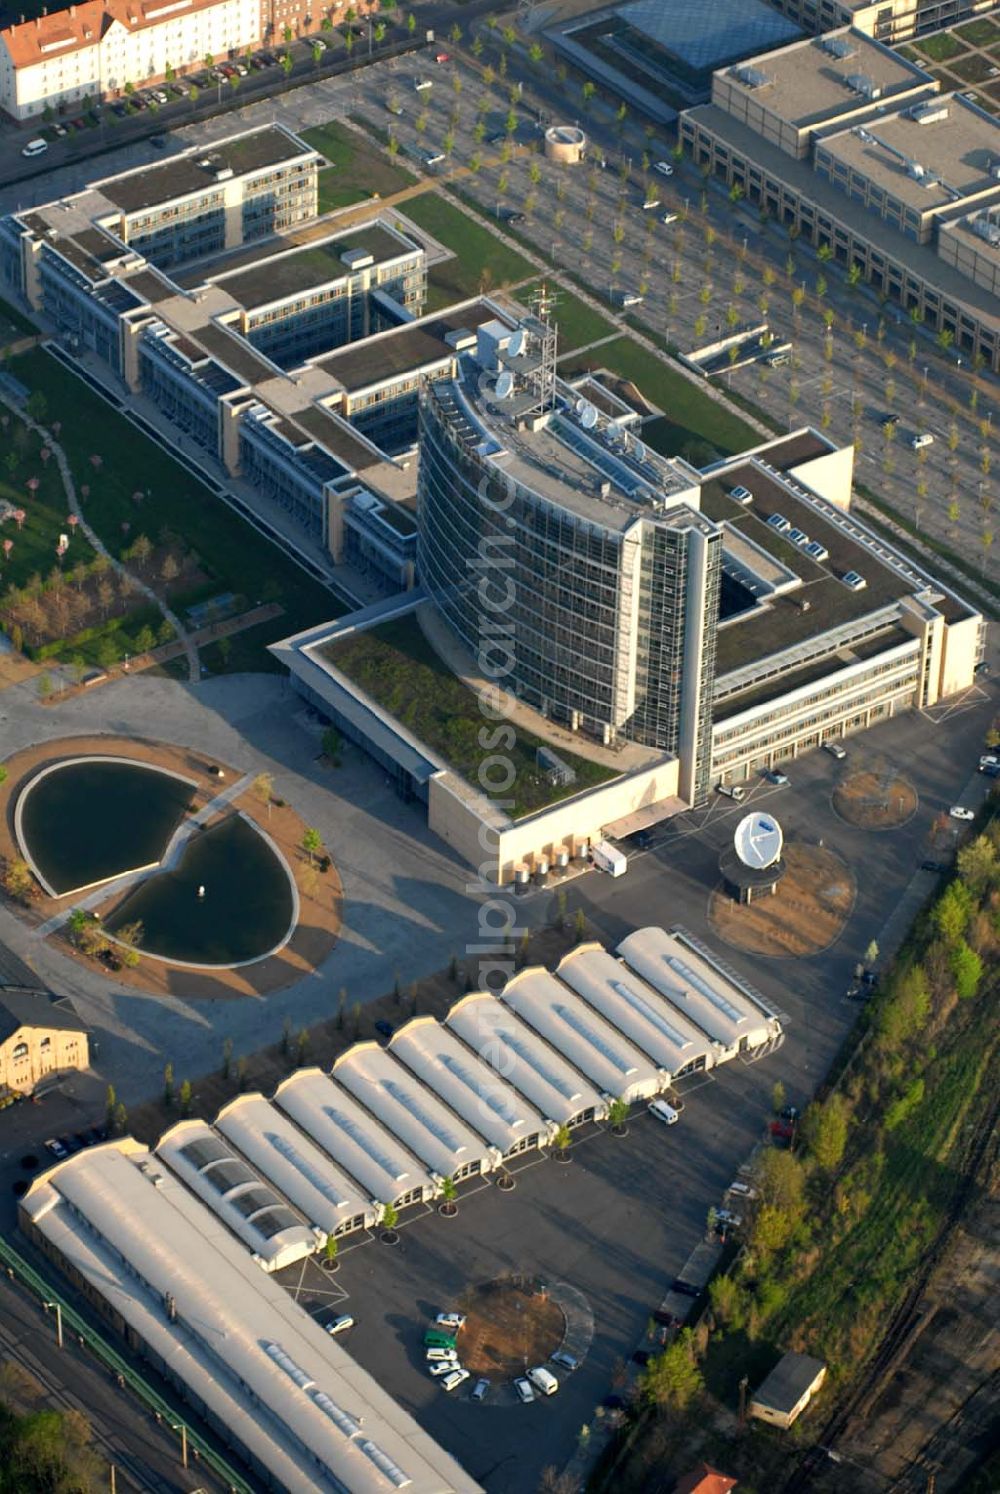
93, 49
888, 21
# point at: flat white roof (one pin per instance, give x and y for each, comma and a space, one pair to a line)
207, 1163
695, 987
346, 1132
473, 1089
644, 1015
515, 1050
324, 1194
410, 1110
581, 1036
265, 1371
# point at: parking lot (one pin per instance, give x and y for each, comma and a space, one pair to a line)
616, 1224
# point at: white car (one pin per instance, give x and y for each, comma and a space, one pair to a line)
661, 1111
339, 1325
989, 760
742, 1190
443, 1367
450, 1320
669, 218
455, 1379
524, 1390
441, 1356
957, 812
543, 1380
664, 168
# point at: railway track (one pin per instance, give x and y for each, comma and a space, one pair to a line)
912, 1315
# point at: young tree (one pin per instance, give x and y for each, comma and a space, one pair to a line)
824, 1128
185, 1097
390, 1218
330, 1249
672, 1380
312, 841
561, 1141
168, 1085
262, 789
110, 1104
449, 1193
618, 1115
17, 879
227, 1057
777, 1097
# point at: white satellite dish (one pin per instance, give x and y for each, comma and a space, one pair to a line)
579, 408
588, 417
516, 345
758, 841
505, 384
639, 451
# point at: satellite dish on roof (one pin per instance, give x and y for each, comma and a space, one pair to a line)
588, 416
517, 343
505, 384
758, 841
579, 408
639, 451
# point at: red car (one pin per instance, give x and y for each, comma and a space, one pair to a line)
442, 57
781, 1130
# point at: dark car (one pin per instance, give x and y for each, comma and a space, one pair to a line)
643, 840
614, 1403
119, 110
790, 1114
774, 775
933, 866
158, 142
384, 1029
665, 1319
684, 1287
70, 1144
641, 1356
982, 668
891, 420
514, 218
781, 1131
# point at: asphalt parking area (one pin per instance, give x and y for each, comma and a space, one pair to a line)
606, 1233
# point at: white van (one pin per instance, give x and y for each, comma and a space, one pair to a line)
543, 1380
661, 1111
923, 439
35, 148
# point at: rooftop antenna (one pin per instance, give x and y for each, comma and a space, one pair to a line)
543, 301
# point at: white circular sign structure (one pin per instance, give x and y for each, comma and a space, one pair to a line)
758, 841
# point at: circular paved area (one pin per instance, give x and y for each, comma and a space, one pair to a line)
875, 798
804, 916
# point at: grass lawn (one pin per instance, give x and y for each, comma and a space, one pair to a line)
695, 427
397, 667
978, 33
34, 544
356, 171
17, 319
578, 324
481, 263
940, 47
232, 554
973, 69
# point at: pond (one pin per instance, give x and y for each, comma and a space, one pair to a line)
90, 819
245, 910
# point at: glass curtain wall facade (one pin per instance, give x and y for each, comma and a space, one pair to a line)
87, 313
581, 647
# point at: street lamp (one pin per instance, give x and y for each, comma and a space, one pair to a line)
178, 1426
58, 1312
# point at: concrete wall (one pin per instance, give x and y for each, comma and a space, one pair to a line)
481, 836
958, 655
829, 476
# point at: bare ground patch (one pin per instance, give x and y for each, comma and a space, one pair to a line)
876, 798
805, 915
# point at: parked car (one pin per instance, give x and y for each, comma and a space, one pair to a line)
775, 776
934, 866
384, 1029
742, 1190
959, 812
564, 1358
524, 1390
664, 168
442, 1367
441, 1356
781, 1130
835, 750
665, 1319
158, 142
457, 1377
728, 1218
513, 218
543, 1380
340, 1325
55, 1148
442, 57
480, 1390
684, 1287
453, 1320
661, 1111
641, 1356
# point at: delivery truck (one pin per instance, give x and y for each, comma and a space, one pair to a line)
608, 858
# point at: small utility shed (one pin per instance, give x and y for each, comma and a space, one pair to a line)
788, 1389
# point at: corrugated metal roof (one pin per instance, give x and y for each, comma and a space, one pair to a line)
411, 1111
644, 1015
471, 1088
515, 1050
345, 1131
324, 1194
589, 1043
207, 1163
695, 987
236, 1338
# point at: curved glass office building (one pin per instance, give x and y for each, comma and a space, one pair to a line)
571, 562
